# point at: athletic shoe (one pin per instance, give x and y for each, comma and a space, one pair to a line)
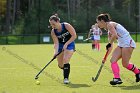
116, 81
138, 77
66, 81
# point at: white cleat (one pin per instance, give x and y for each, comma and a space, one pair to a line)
66, 81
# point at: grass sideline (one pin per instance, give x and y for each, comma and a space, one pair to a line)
20, 63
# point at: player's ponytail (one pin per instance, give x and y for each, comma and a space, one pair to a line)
107, 17
56, 14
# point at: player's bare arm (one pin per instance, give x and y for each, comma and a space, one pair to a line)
72, 32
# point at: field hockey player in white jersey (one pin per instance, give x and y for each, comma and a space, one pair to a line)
123, 51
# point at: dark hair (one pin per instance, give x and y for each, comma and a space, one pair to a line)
54, 17
105, 17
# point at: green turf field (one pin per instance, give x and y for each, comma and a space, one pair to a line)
20, 63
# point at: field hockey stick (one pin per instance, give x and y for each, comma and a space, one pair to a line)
87, 39
100, 69
37, 76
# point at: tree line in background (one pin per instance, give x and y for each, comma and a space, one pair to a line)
31, 16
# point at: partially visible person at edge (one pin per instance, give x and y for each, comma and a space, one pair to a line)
123, 51
63, 35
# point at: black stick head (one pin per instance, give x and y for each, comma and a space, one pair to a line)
36, 78
93, 79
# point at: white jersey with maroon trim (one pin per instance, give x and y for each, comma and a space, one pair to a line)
96, 33
124, 38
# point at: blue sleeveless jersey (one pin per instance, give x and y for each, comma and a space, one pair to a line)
63, 37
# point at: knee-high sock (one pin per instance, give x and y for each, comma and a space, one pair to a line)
115, 69
66, 70
93, 46
98, 46
133, 68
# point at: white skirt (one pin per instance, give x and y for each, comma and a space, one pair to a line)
96, 37
126, 42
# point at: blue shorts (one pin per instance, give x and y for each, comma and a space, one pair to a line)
92, 37
71, 46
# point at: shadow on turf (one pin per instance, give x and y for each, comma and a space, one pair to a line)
71, 85
133, 87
